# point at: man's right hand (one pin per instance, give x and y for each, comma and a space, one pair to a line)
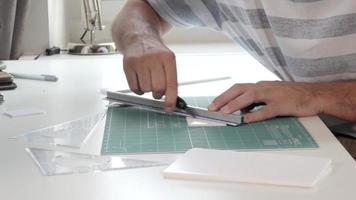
148, 64
151, 67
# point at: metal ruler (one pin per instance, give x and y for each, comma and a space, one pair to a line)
189, 111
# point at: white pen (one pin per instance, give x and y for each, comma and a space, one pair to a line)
42, 77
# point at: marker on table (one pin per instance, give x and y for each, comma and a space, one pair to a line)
42, 77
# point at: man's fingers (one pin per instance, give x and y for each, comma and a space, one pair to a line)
144, 78
171, 83
157, 95
153, 71
238, 103
230, 94
158, 82
266, 112
132, 80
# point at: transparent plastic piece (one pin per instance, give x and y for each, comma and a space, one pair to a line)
53, 163
69, 134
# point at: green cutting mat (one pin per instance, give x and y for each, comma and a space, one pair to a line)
133, 130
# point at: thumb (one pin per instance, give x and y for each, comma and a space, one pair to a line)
266, 112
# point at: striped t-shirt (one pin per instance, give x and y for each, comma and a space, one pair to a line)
299, 40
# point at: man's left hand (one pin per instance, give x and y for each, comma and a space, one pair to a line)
281, 98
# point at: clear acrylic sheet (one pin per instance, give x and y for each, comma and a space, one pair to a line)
53, 163
69, 134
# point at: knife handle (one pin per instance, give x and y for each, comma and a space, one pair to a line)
181, 104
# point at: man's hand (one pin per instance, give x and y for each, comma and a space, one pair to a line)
281, 98
148, 64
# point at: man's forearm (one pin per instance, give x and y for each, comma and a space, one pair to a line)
337, 99
149, 65
137, 21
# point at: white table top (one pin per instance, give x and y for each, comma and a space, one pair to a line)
77, 93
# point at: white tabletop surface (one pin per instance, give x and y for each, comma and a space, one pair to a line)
77, 93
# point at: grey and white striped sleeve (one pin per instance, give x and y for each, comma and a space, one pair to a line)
188, 13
